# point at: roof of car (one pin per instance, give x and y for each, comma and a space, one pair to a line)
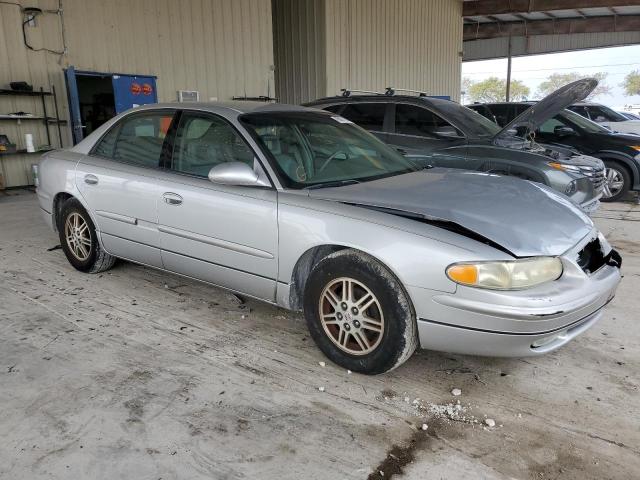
377, 98
236, 106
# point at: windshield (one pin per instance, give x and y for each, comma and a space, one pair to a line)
312, 150
583, 123
469, 121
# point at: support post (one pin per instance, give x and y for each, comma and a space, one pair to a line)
508, 93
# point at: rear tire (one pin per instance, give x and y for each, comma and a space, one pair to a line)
79, 240
617, 181
359, 314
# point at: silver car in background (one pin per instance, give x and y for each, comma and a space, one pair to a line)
305, 210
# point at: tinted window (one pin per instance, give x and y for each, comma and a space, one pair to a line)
483, 110
138, 139
502, 113
603, 114
204, 141
369, 116
418, 121
550, 125
469, 121
333, 108
579, 110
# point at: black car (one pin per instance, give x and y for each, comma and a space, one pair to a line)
620, 152
445, 134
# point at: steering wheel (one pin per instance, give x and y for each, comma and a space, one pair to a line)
331, 157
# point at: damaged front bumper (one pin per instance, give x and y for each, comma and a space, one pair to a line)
518, 323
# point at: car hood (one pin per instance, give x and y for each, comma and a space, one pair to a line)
550, 105
524, 218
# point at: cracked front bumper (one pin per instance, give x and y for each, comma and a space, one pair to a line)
514, 323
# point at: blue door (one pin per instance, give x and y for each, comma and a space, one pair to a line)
74, 104
132, 90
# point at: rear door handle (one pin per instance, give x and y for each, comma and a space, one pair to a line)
172, 198
90, 179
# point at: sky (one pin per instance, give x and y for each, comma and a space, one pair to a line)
533, 70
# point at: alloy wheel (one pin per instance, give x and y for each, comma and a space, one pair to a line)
614, 182
351, 316
78, 236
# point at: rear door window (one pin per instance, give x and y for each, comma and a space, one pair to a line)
137, 140
369, 116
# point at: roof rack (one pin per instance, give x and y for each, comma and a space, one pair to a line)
389, 91
346, 92
392, 91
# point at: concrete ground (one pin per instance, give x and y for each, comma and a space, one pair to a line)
139, 374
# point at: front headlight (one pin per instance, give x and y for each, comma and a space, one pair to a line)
511, 275
565, 167
572, 188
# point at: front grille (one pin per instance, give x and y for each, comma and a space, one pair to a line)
591, 258
596, 175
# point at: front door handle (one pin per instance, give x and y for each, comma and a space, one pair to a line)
90, 179
172, 198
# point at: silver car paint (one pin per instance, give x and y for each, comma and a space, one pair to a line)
255, 246
469, 199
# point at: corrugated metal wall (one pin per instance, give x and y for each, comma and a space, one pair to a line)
498, 47
415, 44
221, 48
299, 49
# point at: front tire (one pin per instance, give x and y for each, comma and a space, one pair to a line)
359, 314
617, 181
79, 240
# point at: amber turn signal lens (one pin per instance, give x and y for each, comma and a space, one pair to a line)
465, 274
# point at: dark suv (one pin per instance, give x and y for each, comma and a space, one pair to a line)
444, 133
620, 152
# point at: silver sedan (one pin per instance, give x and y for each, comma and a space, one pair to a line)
305, 210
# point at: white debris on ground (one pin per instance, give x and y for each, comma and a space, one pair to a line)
322, 364
456, 392
425, 426
453, 411
321, 389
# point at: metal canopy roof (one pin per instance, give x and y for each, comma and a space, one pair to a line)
485, 19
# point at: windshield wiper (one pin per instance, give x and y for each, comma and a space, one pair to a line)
336, 183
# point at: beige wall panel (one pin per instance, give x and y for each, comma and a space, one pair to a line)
415, 44
299, 49
221, 48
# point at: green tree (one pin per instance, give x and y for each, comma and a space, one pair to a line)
557, 80
494, 89
631, 83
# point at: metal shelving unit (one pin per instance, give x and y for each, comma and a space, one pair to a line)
44, 118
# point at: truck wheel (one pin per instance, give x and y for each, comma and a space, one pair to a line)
359, 314
79, 240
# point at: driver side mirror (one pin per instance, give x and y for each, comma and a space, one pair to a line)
236, 173
562, 131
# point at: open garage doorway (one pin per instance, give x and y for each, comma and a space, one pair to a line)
95, 98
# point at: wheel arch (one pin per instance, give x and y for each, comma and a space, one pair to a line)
310, 258
625, 161
58, 201
302, 269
